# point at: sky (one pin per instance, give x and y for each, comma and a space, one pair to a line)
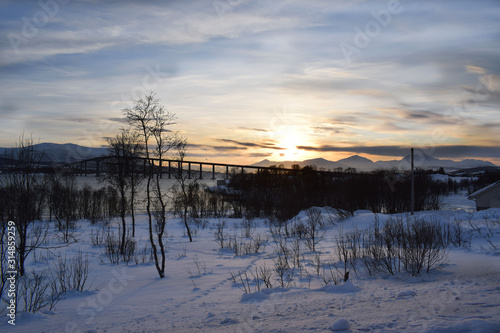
252, 80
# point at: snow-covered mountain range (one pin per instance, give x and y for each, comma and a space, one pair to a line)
67, 153
421, 160
60, 153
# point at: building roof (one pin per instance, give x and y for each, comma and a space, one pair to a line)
484, 189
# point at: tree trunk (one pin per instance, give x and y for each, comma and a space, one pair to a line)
187, 224
132, 211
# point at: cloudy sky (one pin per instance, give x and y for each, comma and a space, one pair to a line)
248, 80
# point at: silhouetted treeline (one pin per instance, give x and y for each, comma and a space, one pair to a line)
58, 198
484, 179
282, 194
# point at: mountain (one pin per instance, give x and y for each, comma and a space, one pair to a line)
321, 163
60, 153
359, 163
67, 153
421, 160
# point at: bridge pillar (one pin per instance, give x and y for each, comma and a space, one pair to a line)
227, 172
201, 171
213, 171
169, 170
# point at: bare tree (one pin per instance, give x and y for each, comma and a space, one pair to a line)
64, 204
183, 186
136, 150
121, 167
163, 142
150, 119
25, 198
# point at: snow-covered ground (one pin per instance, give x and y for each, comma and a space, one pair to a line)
198, 295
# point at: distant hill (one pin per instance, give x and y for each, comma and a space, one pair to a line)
359, 163
421, 160
67, 153
60, 153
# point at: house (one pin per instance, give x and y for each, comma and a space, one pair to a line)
487, 197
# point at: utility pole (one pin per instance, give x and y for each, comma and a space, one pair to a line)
412, 185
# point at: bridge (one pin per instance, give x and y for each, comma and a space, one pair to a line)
167, 167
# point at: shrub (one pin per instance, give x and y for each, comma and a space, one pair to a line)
33, 291
414, 245
71, 274
314, 232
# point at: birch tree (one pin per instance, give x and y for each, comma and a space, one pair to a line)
151, 121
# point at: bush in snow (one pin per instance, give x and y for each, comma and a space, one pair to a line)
314, 232
457, 235
33, 291
414, 245
113, 248
71, 274
219, 235
40, 290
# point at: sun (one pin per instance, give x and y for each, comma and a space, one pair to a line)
289, 142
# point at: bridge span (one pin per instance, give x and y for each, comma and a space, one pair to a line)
167, 167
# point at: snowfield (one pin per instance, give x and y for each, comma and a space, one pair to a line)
199, 295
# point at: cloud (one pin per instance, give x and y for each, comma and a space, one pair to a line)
217, 148
451, 151
374, 150
254, 129
475, 69
119, 120
370, 92
82, 27
225, 67
332, 129
8, 109
266, 145
463, 151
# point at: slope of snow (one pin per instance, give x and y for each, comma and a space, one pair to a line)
197, 295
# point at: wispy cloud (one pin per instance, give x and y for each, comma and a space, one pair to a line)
266, 145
